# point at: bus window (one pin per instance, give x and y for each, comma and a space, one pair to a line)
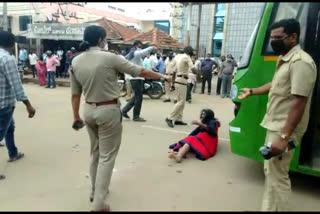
244, 62
286, 10
247, 52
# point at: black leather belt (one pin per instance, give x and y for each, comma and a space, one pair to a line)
183, 76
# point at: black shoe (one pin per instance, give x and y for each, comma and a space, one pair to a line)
189, 101
169, 122
125, 115
17, 157
47, 86
166, 100
139, 119
2, 177
180, 123
175, 101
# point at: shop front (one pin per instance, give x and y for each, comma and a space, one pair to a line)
52, 36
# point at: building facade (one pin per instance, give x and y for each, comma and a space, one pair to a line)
225, 28
242, 18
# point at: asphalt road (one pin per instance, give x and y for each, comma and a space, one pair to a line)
53, 174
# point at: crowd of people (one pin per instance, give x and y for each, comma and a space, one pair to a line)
48, 66
94, 74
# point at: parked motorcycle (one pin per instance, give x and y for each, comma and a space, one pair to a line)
153, 88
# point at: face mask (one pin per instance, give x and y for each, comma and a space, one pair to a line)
228, 59
170, 57
278, 46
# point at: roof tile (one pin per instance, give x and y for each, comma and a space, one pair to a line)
157, 38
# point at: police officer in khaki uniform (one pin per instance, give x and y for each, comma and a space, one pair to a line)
288, 107
95, 73
179, 82
170, 69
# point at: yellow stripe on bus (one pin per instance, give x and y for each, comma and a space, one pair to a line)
270, 58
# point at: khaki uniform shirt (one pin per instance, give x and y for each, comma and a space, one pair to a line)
95, 72
295, 75
170, 66
183, 66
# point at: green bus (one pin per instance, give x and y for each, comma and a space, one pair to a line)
257, 68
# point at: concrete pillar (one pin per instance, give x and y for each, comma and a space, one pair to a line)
211, 29
189, 23
38, 47
225, 30
5, 16
198, 29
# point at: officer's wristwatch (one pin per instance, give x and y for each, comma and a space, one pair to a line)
284, 137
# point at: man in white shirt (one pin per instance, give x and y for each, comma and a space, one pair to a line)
33, 61
153, 61
135, 56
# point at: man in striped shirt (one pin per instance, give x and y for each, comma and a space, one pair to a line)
10, 91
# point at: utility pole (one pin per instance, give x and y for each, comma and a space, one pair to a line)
198, 33
5, 16
189, 24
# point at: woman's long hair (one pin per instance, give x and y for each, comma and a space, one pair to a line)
209, 115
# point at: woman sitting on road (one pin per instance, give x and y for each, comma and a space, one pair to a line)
203, 141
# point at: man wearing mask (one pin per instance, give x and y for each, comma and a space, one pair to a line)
227, 68
136, 55
179, 82
23, 56
69, 56
223, 58
160, 65
11, 90
51, 64
206, 71
33, 61
153, 61
170, 69
59, 68
288, 107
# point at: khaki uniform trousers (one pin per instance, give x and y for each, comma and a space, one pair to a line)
105, 128
170, 95
277, 182
181, 95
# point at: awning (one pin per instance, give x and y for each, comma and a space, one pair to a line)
218, 36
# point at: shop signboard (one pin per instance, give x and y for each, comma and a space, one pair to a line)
57, 31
